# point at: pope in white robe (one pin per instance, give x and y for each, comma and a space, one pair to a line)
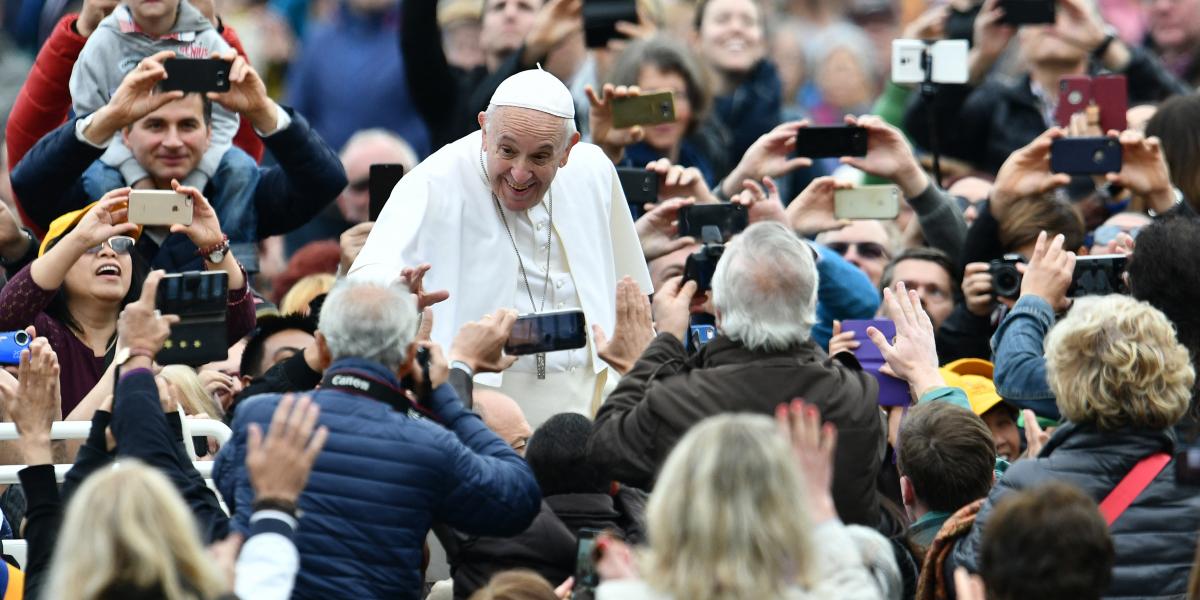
517, 215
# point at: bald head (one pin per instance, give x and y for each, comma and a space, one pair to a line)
504, 417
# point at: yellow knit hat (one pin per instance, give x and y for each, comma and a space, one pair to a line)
974, 376
65, 223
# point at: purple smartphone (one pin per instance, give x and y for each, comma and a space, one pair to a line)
892, 391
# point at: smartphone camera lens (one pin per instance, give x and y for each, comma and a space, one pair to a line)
1098, 157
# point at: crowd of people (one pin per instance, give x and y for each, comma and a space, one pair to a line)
990, 393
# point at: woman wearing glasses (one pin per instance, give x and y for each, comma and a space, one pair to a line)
87, 271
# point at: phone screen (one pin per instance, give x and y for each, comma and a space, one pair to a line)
196, 75
547, 332
586, 577
380, 183
1098, 276
731, 219
193, 293
831, 142
640, 187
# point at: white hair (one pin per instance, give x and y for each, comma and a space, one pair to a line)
569, 129
369, 319
408, 156
765, 288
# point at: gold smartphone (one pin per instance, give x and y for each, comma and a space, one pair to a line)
647, 109
880, 202
159, 207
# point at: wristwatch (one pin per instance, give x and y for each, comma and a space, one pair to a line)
215, 253
125, 354
1110, 35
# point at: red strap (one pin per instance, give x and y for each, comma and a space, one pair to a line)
1132, 485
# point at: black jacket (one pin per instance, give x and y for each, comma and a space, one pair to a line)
667, 392
983, 125
1155, 538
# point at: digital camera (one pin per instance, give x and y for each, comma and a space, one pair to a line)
1006, 279
11, 345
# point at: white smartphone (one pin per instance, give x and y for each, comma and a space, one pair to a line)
880, 202
947, 64
159, 207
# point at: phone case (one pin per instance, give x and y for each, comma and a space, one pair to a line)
159, 207
892, 391
1074, 95
1085, 156
647, 109
880, 202
1028, 12
640, 186
1111, 93
195, 75
200, 300
600, 18
831, 142
547, 332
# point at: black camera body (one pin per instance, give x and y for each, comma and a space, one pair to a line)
199, 298
1006, 279
702, 264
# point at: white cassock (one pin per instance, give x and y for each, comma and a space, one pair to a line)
442, 213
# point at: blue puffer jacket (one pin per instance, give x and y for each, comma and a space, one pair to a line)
381, 480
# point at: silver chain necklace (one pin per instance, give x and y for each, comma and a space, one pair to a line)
541, 356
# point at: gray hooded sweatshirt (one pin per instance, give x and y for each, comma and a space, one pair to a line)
116, 48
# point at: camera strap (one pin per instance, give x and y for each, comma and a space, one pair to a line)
365, 385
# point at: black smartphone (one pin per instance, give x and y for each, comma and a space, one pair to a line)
380, 183
831, 142
1085, 155
731, 219
640, 187
586, 577
701, 265
1098, 276
600, 18
199, 298
1027, 12
547, 332
195, 75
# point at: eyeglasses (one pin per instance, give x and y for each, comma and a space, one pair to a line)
121, 244
864, 249
1108, 233
360, 185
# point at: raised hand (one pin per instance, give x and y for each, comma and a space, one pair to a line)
92, 13
812, 451
658, 227
672, 306
1049, 272
205, 229
842, 341
108, 218
977, 289
480, 344
33, 401
811, 212
609, 138
247, 94
414, 279
912, 356
1144, 170
677, 181
1027, 173
352, 241
135, 98
633, 331
554, 23
888, 156
279, 466
761, 204
140, 326
768, 157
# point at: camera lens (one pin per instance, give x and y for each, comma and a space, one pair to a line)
1098, 157
21, 338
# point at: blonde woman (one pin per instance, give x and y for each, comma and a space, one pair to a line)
1122, 381
739, 513
297, 299
188, 391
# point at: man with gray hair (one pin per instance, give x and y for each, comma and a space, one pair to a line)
764, 293
503, 219
394, 462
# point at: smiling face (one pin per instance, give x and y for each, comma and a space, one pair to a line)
667, 136
170, 141
104, 276
731, 35
525, 148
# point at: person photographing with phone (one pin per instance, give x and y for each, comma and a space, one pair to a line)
88, 269
518, 215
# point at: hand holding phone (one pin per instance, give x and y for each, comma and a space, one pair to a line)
547, 332
1085, 156
831, 142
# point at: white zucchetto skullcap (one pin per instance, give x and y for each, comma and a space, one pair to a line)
538, 90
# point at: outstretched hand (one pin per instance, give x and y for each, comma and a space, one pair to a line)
604, 134
912, 356
633, 331
279, 466
33, 401
414, 279
812, 451
658, 227
768, 156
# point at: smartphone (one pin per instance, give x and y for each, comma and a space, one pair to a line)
11, 345
730, 219
1098, 275
586, 577
381, 181
880, 202
159, 207
1111, 94
600, 18
199, 298
1028, 12
647, 109
892, 391
1074, 96
195, 75
1085, 155
640, 187
831, 142
547, 332
701, 265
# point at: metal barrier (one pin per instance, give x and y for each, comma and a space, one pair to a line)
78, 430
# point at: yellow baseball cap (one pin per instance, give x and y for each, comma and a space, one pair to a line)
974, 376
65, 223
